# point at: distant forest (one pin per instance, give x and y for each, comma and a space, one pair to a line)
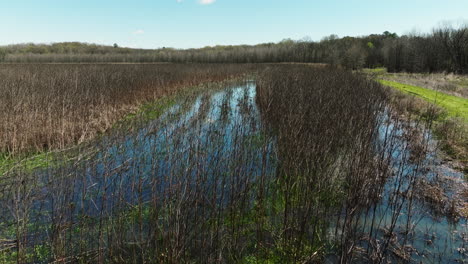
445, 49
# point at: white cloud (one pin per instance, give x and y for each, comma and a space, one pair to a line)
139, 32
179, 1
206, 2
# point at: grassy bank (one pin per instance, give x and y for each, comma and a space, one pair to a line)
448, 83
455, 106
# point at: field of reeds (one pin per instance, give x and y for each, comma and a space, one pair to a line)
50, 106
286, 164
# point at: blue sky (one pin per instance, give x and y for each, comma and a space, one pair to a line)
199, 23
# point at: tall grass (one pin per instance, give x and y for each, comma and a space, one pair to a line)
327, 121
51, 106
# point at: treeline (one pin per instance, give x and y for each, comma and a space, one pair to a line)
445, 49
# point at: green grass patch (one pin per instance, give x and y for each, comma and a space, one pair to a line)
151, 110
28, 161
454, 105
375, 70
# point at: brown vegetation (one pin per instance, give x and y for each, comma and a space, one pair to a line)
434, 193
48, 107
327, 121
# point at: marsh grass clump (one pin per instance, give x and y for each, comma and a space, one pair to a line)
327, 121
348, 164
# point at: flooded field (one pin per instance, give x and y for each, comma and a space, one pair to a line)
200, 182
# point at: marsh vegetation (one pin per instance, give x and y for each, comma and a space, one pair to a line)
49, 107
281, 164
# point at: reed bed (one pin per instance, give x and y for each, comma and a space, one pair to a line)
51, 106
